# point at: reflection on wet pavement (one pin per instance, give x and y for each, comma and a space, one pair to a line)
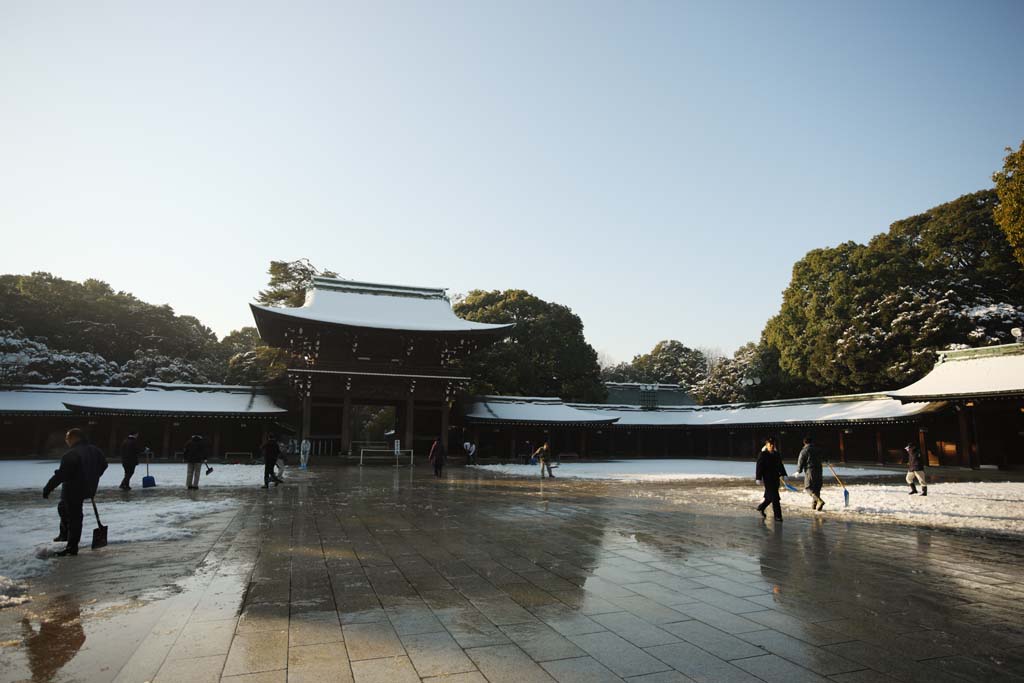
378, 574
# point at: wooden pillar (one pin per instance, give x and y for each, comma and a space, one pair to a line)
346, 425
732, 450
922, 443
216, 444
112, 448
37, 436
446, 411
710, 433
307, 413
753, 443
583, 443
639, 444
167, 440
842, 446
512, 447
977, 438
966, 456
410, 415
879, 448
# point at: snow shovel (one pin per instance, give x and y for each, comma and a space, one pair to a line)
148, 481
99, 534
209, 470
782, 480
846, 494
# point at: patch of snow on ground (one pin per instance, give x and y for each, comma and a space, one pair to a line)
981, 506
26, 531
33, 474
661, 470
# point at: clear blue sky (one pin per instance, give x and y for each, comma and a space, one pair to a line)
657, 166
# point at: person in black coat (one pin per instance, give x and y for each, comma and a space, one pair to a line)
915, 470
438, 456
769, 472
78, 477
271, 452
195, 455
129, 454
809, 463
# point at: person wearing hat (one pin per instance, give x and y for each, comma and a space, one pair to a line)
195, 455
915, 470
129, 454
809, 464
769, 472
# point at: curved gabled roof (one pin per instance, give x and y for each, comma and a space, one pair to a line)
996, 371
364, 305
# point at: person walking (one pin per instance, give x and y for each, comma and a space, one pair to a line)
195, 456
543, 454
271, 454
769, 472
915, 470
304, 450
78, 477
438, 456
470, 448
809, 463
129, 454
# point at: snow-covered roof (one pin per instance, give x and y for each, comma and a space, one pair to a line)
376, 306
39, 399
209, 400
827, 410
213, 401
531, 410
862, 408
970, 373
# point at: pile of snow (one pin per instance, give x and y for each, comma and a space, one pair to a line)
661, 470
26, 532
979, 506
33, 474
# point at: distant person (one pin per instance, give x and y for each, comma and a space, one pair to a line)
770, 471
809, 463
438, 456
195, 455
915, 470
304, 450
78, 477
271, 454
470, 448
543, 455
129, 454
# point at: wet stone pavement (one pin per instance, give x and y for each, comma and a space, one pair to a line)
381, 575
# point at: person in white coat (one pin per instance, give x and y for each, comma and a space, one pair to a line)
304, 450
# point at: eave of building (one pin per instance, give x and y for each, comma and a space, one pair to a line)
360, 373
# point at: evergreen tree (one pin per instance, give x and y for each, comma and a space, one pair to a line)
545, 355
289, 282
1010, 189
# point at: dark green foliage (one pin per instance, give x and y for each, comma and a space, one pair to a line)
867, 317
91, 317
289, 282
1010, 190
669, 362
546, 354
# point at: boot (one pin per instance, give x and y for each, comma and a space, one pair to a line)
913, 489
61, 539
924, 490
821, 504
67, 552
764, 515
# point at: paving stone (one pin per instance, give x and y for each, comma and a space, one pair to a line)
386, 670
257, 652
699, 665
774, 668
663, 677
580, 670
507, 664
311, 628
436, 654
567, 621
372, 641
619, 655
634, 629
318, 663
718, 643
196, 670
541, 642
797, 651
458, 678
280, 676
204, 639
